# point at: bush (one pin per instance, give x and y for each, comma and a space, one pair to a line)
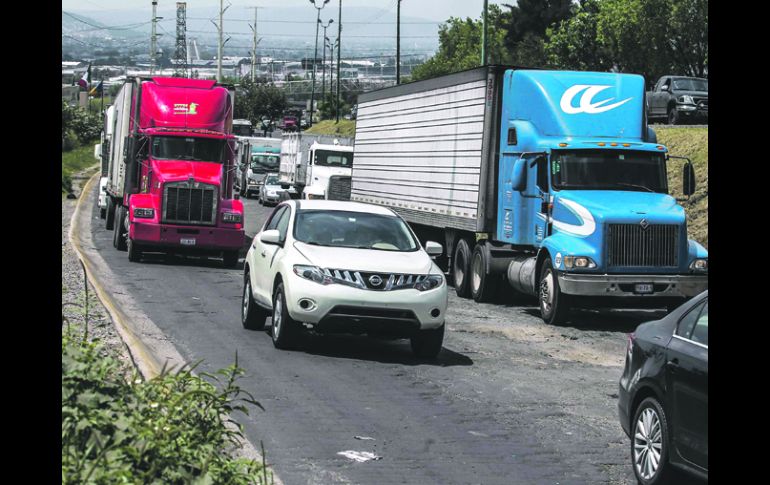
86, 126
170, 429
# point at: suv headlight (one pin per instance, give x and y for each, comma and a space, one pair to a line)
312, 273
686, 99
578, 262
429, 282
700, 265
142, 213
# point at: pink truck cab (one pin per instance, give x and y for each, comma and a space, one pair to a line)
177, 165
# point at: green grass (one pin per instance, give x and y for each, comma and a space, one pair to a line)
330, 127
693, 144
75, 161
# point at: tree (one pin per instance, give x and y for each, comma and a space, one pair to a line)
526, 25
572, 43
460, 45
256, 100
688, 39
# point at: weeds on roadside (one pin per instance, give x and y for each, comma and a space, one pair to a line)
170, 429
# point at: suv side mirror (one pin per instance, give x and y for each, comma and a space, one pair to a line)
433, 248
271, 236
688, 179
664, 87
519, 176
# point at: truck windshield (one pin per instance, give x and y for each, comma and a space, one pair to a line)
691, 85
333, 159
345, 229
264, 163
609, 170
181, 148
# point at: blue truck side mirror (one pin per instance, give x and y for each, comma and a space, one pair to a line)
519, 176
688, 179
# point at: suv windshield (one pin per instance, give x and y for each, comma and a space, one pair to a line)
333, 159
271, 180
264, 163
691, 85
609, 170
181, 148
346, 229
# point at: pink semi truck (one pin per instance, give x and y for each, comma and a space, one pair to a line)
170, 172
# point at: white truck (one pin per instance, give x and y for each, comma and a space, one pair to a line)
241, 127
317, 166
102, 153
256, 157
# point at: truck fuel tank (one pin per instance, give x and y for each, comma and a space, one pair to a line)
521, 274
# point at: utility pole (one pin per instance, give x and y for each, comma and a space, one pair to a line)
315, 56
153, 38
180, 56
323, 61
484, 36
221, 45
339, 51
398, 43
254, 47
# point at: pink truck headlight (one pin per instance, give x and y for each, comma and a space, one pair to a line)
142, 213
232, 217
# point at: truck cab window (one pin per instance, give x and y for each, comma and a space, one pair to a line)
609, 170
333, 159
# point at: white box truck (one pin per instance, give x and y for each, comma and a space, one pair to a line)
317, 166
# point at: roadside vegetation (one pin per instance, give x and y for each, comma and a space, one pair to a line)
75, 161
79, 132
330, 127
170, 429
693, 144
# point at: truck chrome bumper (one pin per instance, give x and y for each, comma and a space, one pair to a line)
624, 285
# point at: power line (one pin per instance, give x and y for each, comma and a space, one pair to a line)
108, 27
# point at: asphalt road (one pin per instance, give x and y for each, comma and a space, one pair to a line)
510, 400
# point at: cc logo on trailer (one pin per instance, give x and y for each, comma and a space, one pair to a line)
586, 100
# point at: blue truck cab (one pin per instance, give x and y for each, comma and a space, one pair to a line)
583, 182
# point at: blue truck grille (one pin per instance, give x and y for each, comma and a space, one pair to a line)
189, 203
631, 245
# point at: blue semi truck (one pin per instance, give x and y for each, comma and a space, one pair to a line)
550, 181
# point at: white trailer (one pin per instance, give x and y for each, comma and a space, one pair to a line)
102, 153
116, 165
317, 166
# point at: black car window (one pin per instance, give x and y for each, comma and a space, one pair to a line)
700, 333
687, 322
275, 218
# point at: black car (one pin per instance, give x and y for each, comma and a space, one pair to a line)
663, 400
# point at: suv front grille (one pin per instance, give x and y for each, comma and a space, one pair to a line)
189, 203
374, 281
631, 245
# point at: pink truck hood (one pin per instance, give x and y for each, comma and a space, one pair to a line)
178, 170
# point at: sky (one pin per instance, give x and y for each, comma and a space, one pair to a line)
439, 10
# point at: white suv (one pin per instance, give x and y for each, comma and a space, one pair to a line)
343, 267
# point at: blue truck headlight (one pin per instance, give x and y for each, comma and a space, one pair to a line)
429, 282
143, 213
232, 217
700, 265
312, 273
578, 262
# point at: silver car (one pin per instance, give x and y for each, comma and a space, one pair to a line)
270, 190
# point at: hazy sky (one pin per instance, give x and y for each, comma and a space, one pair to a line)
429, 9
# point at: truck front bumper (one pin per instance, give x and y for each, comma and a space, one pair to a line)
625, 285
189, 237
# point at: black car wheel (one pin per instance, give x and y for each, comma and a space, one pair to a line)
252, 315
673, 116
554, 305
427, 344
461, 268
285, 329
649, 443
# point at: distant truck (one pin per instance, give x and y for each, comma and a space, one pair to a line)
102, 153
260, 156
679, 99
316, 166
289, 123
549, 180
170, 169
242, 128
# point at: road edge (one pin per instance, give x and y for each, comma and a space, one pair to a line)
152, 356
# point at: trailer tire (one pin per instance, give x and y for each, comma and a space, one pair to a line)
230, 259
482, 285
461, 263
134, 251
102, 213
118, 238
109, 222
554, 305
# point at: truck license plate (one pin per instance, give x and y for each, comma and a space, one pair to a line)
187, 242
643, 288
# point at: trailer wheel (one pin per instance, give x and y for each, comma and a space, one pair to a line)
461, 268
110, 220
118, 237
134, 251
482, 285
554, 305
